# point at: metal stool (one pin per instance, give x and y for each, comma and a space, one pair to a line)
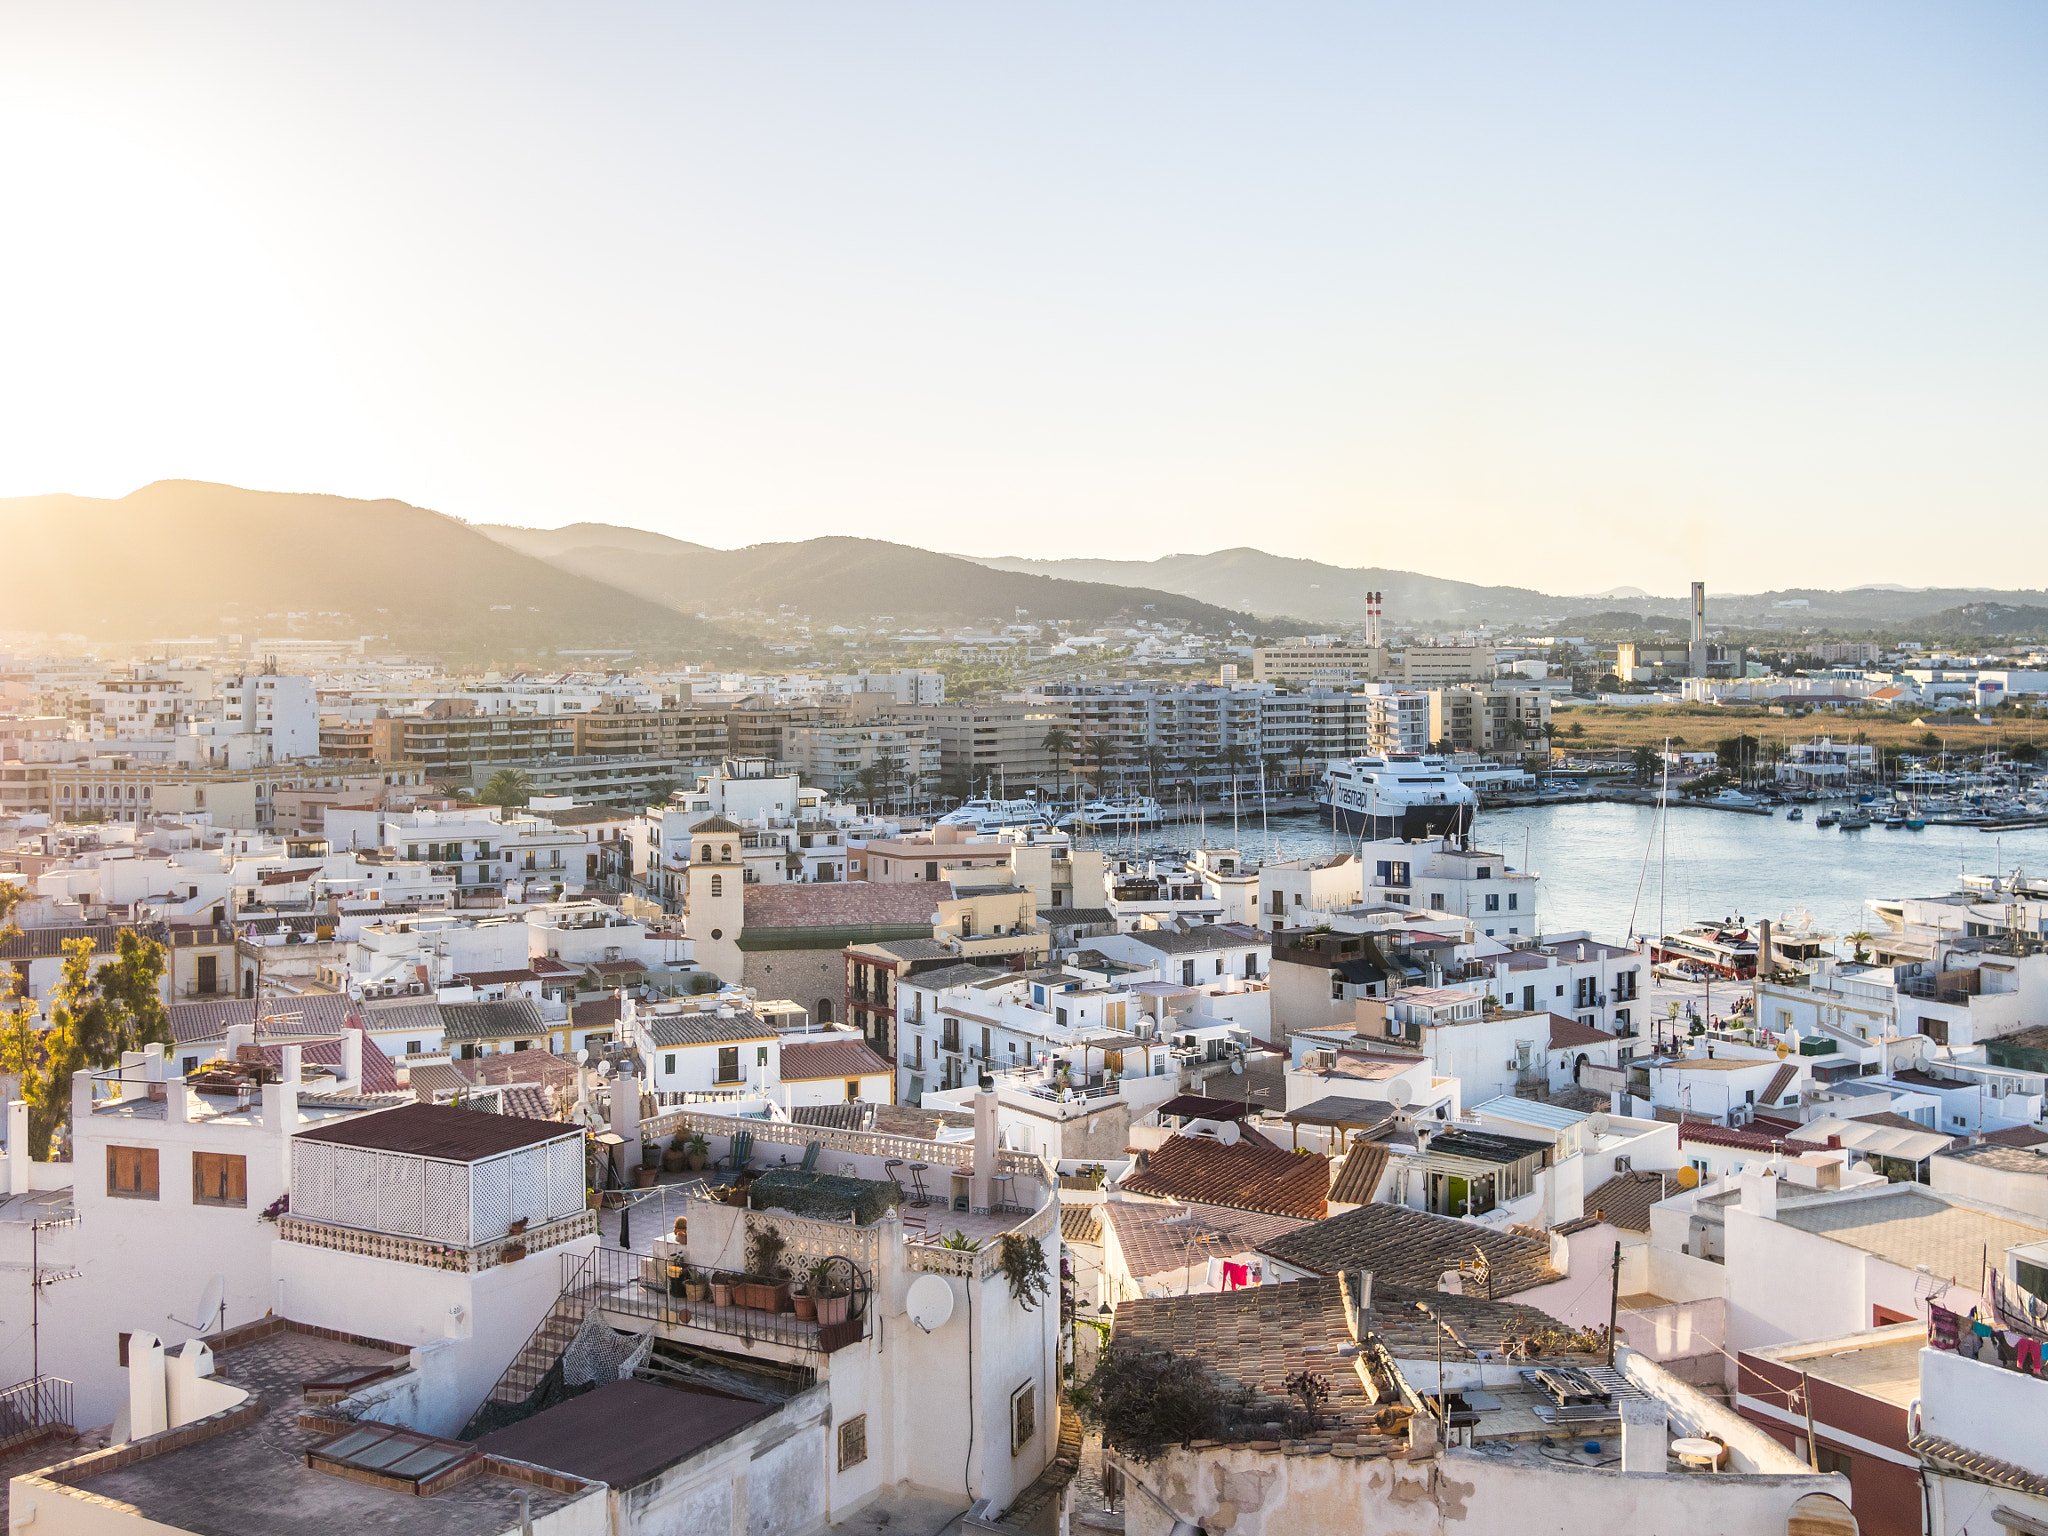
1002, 1189
889, 1172
923, 1196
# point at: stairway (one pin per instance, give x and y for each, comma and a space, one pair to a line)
533, 1380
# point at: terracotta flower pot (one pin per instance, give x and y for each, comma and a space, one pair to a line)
697, 1290
698, 1160
512, 1253
806, 1308
721, 1295
762, 1295
645, 1175
833, 1309
674, 1162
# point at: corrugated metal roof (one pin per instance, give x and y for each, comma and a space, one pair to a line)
434, 1130
1531, 1112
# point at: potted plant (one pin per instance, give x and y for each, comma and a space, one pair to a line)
721, 1289
695, 1286
518, 1227
679, 1277
697, 1152
832, 1296
765, 1286
805, 1303
676, 1157
512, 1253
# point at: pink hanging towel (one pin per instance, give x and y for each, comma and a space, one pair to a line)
1235, 1275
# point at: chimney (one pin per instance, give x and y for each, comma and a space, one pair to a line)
17, 1147
148, 1407
1763, 949
626, 1112
352, 1056
987, 1150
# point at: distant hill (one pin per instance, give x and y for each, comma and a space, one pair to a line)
1275, 584
1335, 595
1985, 619
546, 543
185, 557
850, 581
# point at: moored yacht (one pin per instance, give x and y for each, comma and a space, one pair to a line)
1138, 813
998, 816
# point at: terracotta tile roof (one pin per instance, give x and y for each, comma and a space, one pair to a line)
1253, 1175
497, 978
2016, 1136
605, 1011
848, 904
432, 1081
925, 1124
1726, 1136
1414, 1324
716, 824
317, 1013
1158, 1239
520, 1067
379, 1076
805, 1060
1625, 1199
1358, 1180
1780, 1081
516, 1018
668, 1031
1255, 1338
1566, 1033
1080, 1224
1414, 1248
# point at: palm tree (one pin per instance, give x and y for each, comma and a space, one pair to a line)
1274, 762
1862, 942
508, 786
1645, 762
1059, 744
1236, 757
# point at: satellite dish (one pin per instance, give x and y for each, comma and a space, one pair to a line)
1228, 1133
1597, 1123
210, 1315
929, 1302
1687, 1178
1237, 1066
1399, 1094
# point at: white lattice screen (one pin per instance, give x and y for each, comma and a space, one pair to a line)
459, 1203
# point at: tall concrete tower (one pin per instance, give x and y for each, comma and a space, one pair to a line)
1698, 657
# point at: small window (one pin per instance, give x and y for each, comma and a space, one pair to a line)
718, 885
853, 1090
728, 1063
220, 1178
1023, 1416
412, 1047
931, 871
668, 1064
760, 1055
853, 1441
131, 1173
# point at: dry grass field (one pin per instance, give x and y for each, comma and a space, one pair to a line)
1699, 726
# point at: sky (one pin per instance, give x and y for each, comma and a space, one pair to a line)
1563, 296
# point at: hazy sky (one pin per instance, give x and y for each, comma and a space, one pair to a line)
1565, 296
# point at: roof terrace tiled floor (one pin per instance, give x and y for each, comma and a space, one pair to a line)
255, 1479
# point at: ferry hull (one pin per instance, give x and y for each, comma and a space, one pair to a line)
1409, 823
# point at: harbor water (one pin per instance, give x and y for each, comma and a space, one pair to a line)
1714, 864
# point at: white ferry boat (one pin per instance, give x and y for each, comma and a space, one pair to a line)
1722, 950
1402, 795
986, 816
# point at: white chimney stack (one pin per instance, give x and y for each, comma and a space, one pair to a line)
987, 1151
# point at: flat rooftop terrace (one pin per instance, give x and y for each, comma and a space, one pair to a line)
254, 1478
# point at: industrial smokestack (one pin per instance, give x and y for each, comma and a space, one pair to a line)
1699, 613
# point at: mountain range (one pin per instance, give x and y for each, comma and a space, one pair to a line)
850, 581
184, 557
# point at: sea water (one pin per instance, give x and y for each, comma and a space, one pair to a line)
1702, 866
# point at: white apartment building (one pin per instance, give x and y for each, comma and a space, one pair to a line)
1499, 900
903, 761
